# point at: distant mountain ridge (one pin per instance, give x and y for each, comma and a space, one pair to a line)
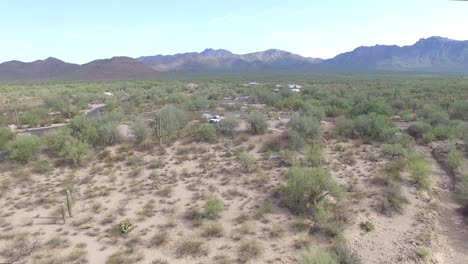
434, 54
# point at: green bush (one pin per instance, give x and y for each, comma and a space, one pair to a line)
462, 190
417, 130
314, 156
250, 250
228, 125
76, 151
24, 148
366, 107
296, 140
213, 207
35, 117
307, 126
205, 132
428, 137
248, 162
307, 187
459, 110
344, 254
344, 127
141, 132
420, 171
394, 150
126, 226
375, 126
367, 226
317, 256
454, 158
257, 122
191, 247
6, 135
172, 118
392, 200
440, 132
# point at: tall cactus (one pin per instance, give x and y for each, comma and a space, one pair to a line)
64, 216
69, 203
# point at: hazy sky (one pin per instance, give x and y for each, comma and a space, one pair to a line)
83, 30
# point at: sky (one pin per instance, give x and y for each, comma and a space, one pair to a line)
84, 30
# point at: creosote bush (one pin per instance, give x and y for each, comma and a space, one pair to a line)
248, 162
257, 122
205, 133
307, 187
24, 148
213, 207
314, 255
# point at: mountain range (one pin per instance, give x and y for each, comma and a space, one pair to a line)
434, 54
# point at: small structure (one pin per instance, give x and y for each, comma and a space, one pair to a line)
109, 94
296, 90
294, 86
250, 84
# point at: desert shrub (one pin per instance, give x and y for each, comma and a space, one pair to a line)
75, 151
394, 150
213, 230
265, 97
440, 132
228, 125
344, 253
250, 250
125, 258
35, 117
392, 200
6, 135
306, 125
296, 140
374, 126
205, 133
307, 187
314, 156
213, 207
272, 145
420, 171
428, 137
317, 256
367, 226
423, 253
172, 118
141, 131
24, 148
454, 158
159, 239
459, 110
375, 106
417, 130
22, 245
248, 162
41, 167
61, 143
257, 122
344, 126
126, 226
191, 247
434, 115
462, 191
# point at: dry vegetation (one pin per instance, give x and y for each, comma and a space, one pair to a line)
279, 180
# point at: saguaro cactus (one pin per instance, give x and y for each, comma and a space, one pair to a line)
69, 203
